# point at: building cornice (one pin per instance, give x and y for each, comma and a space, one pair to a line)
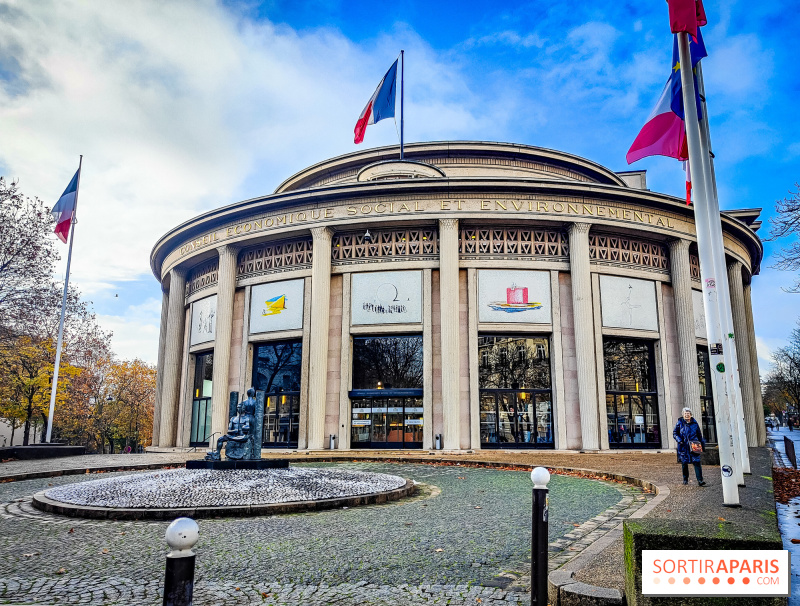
446, 189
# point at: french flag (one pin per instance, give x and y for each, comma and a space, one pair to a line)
664, 133
380, 105
65, 207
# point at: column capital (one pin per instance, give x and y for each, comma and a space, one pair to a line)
579, 228
448, 223
733, 265
179, 271
679, 245
228, 249
321, 234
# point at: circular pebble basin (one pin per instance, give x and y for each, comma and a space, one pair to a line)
203, 493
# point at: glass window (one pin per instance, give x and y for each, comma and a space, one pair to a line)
203, 373
200, 430
514, 362
631, 398
387, 363
516, 410
628, 365
276, 366
708, 421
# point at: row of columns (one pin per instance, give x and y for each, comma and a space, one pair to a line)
171, 352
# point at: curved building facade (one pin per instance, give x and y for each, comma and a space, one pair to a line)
478, 295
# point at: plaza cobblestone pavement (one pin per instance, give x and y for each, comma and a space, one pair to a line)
464, 540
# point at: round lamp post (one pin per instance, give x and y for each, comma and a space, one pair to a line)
539, 543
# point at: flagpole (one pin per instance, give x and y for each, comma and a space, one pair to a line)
402, 86
731, 359
705, 248
54, 386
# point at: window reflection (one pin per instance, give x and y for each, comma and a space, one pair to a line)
387, 362
516, 362
515, 394
631, 398
708, 421
200, 431
276, 371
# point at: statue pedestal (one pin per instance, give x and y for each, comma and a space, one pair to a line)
241, 464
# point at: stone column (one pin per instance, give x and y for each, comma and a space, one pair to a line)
320, 325
173, 357
162, 339
756, 375
680, 270
742, 350
448, 295
226, 288
584, 334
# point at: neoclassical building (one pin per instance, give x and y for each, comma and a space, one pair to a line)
480, 295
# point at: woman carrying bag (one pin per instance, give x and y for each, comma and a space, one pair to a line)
690, 445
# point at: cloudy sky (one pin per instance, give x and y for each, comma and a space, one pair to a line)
180, 107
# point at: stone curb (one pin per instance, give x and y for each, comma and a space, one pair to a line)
43, 503
564, 590
77, 471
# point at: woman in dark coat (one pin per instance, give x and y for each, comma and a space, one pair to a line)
687, 431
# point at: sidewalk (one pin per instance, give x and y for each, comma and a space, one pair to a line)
601, 564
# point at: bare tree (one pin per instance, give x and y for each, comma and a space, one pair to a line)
785, 375
787, 224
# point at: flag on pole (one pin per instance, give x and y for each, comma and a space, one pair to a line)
664, 132
688, 182
64, 209
686, 16
380, 105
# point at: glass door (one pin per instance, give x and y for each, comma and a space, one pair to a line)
488, 419
200, 431
386, 422
516, 419
281, 426
631, 397
413, 423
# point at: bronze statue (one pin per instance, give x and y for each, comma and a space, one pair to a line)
238, 440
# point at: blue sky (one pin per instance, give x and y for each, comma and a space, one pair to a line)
181, 107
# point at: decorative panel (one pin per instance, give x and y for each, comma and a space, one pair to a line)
514, 296
628, 303
276, 306
386, 297
512, 243
274, 257
387, 245
694, 262
608, 249
202, 276
204, 320
699, 308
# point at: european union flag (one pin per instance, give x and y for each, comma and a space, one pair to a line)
697, 50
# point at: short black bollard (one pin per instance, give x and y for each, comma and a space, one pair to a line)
539, 542
182, 535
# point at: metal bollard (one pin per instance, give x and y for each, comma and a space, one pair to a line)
332, 442
438, 441
182, 535
539, 542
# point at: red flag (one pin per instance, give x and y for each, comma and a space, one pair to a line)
686, 16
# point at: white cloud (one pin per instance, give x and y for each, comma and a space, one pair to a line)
135, 331
510, 38
183, 107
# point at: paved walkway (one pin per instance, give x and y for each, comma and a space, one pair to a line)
464, 539
592, 547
